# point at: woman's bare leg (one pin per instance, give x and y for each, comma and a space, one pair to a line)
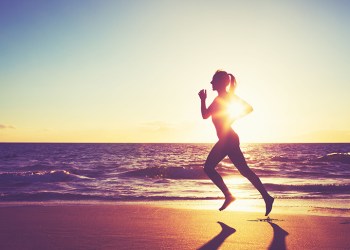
215, 156
238, 159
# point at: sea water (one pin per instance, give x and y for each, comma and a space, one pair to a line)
302, 174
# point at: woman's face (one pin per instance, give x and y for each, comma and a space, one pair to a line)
216, 83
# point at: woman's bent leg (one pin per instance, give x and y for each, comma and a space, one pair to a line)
238, 159
215, 156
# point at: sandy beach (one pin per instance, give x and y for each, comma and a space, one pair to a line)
149, 226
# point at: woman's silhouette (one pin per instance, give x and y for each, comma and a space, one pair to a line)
228, 144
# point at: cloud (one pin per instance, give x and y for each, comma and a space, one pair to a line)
2, 126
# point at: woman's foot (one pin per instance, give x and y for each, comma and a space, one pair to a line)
228, 200
269, 202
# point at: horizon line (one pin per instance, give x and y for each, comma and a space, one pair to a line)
101, 142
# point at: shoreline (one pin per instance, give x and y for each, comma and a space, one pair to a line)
155, 226
281, 206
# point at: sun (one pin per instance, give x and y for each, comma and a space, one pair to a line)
236, 109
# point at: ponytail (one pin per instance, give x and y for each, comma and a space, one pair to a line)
232, 84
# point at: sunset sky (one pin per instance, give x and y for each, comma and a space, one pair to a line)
130, 71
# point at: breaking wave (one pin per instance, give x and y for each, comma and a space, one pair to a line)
7, 178
336, 157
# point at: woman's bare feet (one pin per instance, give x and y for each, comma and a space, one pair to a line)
228, 200
269, 202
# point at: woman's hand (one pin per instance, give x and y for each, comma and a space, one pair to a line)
205, 112
203, 94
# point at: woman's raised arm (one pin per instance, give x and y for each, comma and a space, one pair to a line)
204, 110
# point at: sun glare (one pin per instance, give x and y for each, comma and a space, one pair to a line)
236, 109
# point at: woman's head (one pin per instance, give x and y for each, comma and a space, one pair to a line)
221, 79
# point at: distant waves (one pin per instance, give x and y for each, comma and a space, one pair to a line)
54, 171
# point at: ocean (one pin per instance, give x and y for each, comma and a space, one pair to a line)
315, 176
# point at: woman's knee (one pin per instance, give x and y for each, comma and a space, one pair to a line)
245, 171
208, 168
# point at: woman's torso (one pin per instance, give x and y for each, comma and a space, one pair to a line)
221, 118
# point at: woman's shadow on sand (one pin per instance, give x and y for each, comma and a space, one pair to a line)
278, 242
279, 238
217, 241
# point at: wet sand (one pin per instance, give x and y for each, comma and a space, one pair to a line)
149, 226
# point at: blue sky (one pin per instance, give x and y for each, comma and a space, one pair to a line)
130, 71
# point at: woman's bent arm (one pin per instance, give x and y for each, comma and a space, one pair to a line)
205, 112
203, 96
